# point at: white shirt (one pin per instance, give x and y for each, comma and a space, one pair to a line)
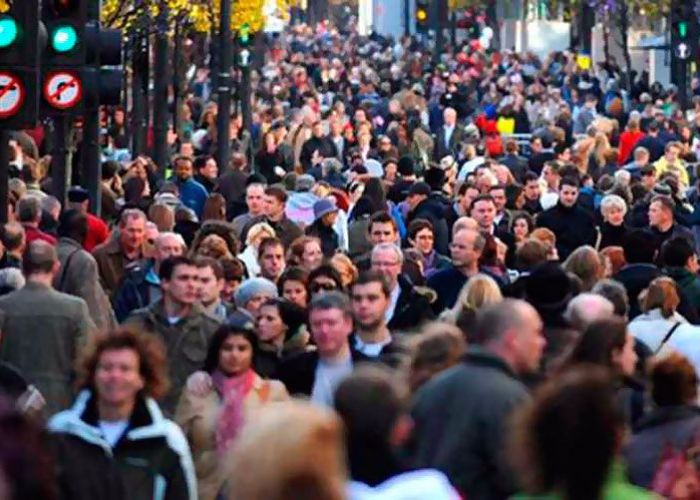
328, 376
393, 300
370, 349
112, 431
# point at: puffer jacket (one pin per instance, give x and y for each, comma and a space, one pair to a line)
150, 461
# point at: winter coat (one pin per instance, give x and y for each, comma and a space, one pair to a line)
193, 195
412, 308
78, 276
635, 278
688, 282
573, 226
111, 262
447, 283
433, 209
151, 461
198, 417
42, 333
186, 343
327, 235
140, 288
461, 418
612, 236
300, 208
285, 229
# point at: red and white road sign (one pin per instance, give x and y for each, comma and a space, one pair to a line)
63, 89
12, 94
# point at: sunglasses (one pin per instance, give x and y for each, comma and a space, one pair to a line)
317, 287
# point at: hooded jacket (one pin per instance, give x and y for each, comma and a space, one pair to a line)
433, 209
150, 461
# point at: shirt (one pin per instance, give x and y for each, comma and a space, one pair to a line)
112, 431
327, 378
393, 300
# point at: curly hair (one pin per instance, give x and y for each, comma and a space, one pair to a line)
150, 351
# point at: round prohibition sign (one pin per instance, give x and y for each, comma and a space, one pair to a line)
63, 90
11, 94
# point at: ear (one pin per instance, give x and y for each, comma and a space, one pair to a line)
401, 431
56, 267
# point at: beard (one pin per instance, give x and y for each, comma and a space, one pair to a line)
371, 325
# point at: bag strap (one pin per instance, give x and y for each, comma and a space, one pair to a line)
668, 336
64, 271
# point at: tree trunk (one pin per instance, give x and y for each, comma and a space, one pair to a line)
160, 94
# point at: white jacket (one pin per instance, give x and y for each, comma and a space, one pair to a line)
416, 485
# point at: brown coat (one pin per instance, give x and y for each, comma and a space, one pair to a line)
111, 262
198, 416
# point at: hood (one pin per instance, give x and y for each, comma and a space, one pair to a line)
415, 485
433, 204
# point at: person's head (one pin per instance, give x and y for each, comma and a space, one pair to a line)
450, 116
382, 229
529, 254
51, 206
290, 446
253, 292
674, 381
234, 274
498, 193
370, 300
123, 364
278, 320
421, 235
662, 293
179, 280
638, 247
606, 342
547, 430
324, 278
437, 347
183, 167
484, 211
29, 209
551, 173
40, 259
522, 226
641, 156
255, 198
167, 245
616, 293
661, 212
672, 152
271, 258
346, 269
162, 216
613, 209
231, 350
214, 208
387, 260
132, 229
587, 265
292, 285
275, 200
532, 186
568, 191
585, 308
331, 322
418, 192
73, 224
306, 252
211, 280
678, 252
466, 248
206, 166
512, 329
480, 290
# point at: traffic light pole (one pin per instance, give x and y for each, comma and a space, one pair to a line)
223, 118
92, 166
4, 169
160, 95
59, 157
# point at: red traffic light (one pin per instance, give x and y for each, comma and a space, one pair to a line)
65, 7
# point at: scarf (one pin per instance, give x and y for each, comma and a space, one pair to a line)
233, 391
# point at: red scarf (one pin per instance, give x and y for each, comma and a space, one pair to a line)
233, 391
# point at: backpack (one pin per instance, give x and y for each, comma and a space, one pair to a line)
677, 476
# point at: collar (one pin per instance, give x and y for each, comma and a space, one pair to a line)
664, 415
477, 355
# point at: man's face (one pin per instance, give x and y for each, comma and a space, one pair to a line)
272, 262
187, 149
468, 198
530, 341
657, 214
273, 207
386, 262
532, 190
117, 376
499, 197
672, 154
183, 285
568, 195
255, 199
414, 200
424, 241
330, 329
183, 170
648, 180
167, 246
132, 233
317, 129
536, 146
450, 117
210, 169
484, 211
382, 232
209, 287
369, 305
462, 249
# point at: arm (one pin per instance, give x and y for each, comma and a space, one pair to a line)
180, 476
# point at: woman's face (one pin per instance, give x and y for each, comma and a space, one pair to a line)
424, 241
614, 216
270, 327
295, 291
235, 355
312, 256
520, 229
118, 377
625, 359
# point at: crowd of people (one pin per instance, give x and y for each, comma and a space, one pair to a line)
475, 278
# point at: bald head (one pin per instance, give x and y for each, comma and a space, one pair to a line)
40, 258
586, 308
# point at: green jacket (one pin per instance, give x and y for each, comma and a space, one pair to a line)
616, 488
186, 342
688, 282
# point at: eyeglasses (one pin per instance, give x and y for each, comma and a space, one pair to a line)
317, 287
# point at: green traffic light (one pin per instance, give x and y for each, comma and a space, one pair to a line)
683, 29
8, 31
244, 33
64, 39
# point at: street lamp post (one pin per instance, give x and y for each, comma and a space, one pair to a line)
223, 149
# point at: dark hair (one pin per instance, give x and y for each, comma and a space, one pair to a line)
293, 273
150, 350
201, 161
233, 270
109, 169
277, 192
215, 265
327, 271
526, 217
374, 191
599, 341
639, 247
73, 223
673, 380
269, 242
666, 201
167, 267
417, 225
372, 276
547, 431
382, 217
483, 197
570, 181
12, 236
211, 362
530, 176
676, 252
214, 208
293, 315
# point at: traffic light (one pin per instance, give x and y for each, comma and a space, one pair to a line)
244, 35
62, 84
20, 36
684, 30
103, 73
422, 16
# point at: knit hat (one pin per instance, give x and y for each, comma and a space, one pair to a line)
406, 166
323, 207
305, 182
252, 287
548, 286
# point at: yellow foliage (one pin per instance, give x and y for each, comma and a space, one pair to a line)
4, 6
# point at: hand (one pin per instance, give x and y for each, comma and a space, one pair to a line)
199, 383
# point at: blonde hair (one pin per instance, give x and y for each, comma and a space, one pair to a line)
587, 264
438, 347
289, 447
256, 233
661, 294
479, 291
342, 262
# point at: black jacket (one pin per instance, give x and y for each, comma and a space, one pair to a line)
298, 373
150, 461
327, 235
412, 308
635, 278
573, 226
433, 209
326, 149
517, 166
612, 236
135, 291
